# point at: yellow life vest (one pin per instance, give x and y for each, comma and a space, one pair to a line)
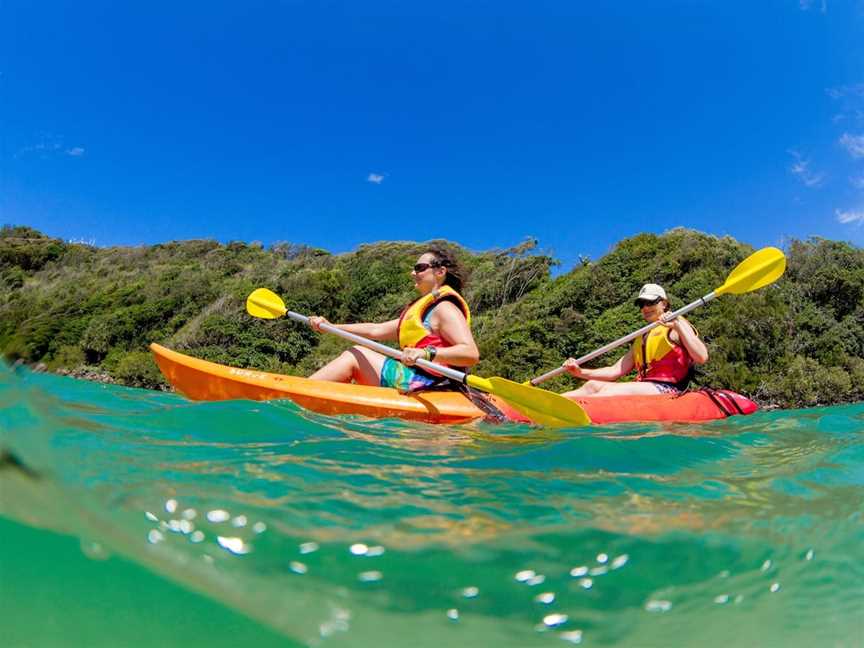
412, 332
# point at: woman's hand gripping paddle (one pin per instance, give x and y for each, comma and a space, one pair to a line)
539, 405
761, 268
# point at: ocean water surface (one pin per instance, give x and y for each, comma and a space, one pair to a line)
131, 517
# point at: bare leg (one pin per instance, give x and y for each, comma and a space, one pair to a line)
601, 388
359, 364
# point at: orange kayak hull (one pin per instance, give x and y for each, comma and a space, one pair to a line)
690, 407
208, 381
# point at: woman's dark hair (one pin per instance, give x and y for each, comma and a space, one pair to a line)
455, 272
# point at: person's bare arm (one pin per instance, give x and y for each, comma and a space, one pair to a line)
684, 334
611, 373
448, 321
381, 331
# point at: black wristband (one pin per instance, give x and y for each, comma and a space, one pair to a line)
432, 352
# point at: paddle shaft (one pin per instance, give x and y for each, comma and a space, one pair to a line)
382, 348
627, 338
538, 405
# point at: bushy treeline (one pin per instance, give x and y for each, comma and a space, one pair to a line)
74, 307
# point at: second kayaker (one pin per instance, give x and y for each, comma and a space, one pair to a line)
436, 327
663, 357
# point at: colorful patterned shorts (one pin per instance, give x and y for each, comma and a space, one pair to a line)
405, 379
667, 388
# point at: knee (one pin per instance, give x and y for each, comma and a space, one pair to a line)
351, 356
594, 386
356, 352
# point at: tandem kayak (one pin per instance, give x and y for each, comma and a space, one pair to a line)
208, 381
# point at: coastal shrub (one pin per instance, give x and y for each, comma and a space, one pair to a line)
69, 356
313, 291
98, 338
803, 382
855, 369
501, 278
29, 253
138, 369
12, 278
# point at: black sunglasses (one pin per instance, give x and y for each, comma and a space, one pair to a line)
641, 303
421, 267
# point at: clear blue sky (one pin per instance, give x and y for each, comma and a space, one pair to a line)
336, 123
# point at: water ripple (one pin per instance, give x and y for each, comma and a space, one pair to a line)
365, 532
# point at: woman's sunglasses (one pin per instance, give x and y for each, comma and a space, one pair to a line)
642, 303
421, 267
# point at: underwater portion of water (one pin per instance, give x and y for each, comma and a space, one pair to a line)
131, 516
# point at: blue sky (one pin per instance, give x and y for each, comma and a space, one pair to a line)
339, 123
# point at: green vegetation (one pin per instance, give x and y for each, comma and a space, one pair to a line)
796, 343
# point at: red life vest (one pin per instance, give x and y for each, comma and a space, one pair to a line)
666, 361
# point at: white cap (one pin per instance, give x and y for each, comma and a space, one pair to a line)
651, 292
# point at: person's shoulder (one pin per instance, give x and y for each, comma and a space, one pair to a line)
448, 308
446, 305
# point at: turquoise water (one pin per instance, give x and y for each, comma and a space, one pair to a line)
132, 516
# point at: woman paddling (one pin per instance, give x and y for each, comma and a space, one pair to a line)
434, 327
663, 357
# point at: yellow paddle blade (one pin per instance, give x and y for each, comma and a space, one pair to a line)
265, 303
541, 406
759, 269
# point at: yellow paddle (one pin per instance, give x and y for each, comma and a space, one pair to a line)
541, 406
761, 268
